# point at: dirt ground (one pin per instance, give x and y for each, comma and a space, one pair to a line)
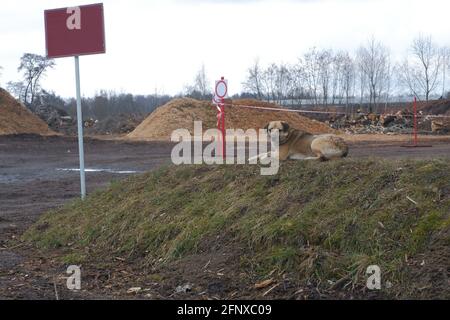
36, 174
30, 184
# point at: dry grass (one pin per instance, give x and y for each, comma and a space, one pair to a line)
318, 222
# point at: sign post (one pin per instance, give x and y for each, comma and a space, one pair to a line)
220, 93
80, 128
76, 31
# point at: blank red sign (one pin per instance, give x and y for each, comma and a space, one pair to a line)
75, 31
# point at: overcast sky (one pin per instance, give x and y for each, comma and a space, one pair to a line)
162, 44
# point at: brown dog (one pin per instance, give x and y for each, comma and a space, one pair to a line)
299, 145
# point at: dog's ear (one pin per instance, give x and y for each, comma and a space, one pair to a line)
285, 126
267, 127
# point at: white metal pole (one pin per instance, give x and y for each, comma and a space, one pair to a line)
80, 129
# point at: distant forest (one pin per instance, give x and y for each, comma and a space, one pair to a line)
105, 104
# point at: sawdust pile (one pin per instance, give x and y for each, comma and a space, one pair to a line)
15, 118
181, 113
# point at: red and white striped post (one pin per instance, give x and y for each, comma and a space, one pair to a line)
224, 135
220, 93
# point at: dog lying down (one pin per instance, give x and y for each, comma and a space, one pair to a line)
299, 145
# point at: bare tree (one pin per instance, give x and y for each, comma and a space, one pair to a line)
283, 83
325, 61
310, 67
17, 89
253, 82
336, 77
201, 82
317, 74
445, 52
362, 83
298, 89
420, 71
200, 89
274, 83
33, 67
346, 76
373, 61
269, 81
386, 84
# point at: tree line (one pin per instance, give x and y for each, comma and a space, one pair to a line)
104, 104
368, 76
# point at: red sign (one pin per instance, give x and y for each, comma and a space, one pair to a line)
221, 88
75, 31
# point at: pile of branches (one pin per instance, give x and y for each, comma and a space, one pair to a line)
399, 123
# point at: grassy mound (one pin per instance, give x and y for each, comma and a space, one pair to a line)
318, 222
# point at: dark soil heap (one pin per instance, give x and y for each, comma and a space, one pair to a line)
436, 107
115, 124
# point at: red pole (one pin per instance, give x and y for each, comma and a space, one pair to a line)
222, 107
219, 126
415, 121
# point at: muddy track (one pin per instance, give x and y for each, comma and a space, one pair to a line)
32, 182
34, 178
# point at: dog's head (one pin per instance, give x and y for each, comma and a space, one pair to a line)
281, 126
